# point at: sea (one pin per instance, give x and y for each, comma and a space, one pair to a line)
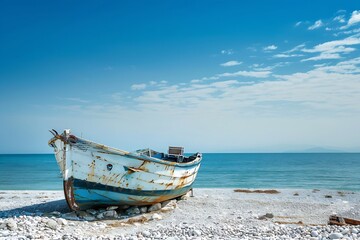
339, 171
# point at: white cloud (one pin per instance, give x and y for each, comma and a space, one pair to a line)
151, 83
334, 46
323, 56
340, 18
332, 49
227, 52
230, 63
224, 84
296, 48
255, 74
316, 25
260, 73
140, 86
270, 48
196, 81
298, 23
283, 55
355, 18
353, 31
261, 69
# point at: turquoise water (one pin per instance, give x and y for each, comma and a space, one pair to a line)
235, 170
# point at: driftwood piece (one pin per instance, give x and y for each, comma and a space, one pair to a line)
337, 220
256, 191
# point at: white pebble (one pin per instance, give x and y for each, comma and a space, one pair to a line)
335, 236
146, 233
314, 234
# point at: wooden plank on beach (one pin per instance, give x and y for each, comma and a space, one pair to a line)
352, 221
272, 191
340, 221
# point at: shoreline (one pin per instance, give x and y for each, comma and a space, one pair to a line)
211, 212
208, 188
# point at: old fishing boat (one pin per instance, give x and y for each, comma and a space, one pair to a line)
98, 175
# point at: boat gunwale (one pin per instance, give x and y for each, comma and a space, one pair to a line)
116, 151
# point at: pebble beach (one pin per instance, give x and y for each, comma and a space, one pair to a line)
209, 214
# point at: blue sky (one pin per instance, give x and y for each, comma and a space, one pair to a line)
212, 76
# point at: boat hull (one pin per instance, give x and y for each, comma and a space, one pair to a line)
96, 175
84, 195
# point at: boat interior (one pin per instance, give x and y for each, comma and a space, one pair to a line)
175, 154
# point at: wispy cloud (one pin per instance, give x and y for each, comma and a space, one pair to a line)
230, 63
227, 52
73, 99
140, 86
296, 48
255, 74
283, 55
157, 83
332, 49
323, 56
340, 19
259, 73
290, 53
270, 48
316, 25
298, 23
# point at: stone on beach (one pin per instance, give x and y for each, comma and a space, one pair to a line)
70, 216
112, 208
146, 233
266, 216
52, 224
110, 214
89, 218
91, 211
62, 221
154, 207
314, 233
11, 224
82, 214
156, 216
335, 236
100, 216
143, 209
132, 211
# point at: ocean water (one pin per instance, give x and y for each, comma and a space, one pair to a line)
232, 170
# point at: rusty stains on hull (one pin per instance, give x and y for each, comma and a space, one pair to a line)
91, 174
69, 195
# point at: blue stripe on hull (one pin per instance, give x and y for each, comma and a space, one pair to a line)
87, 194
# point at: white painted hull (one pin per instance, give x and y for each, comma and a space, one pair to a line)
95, 174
